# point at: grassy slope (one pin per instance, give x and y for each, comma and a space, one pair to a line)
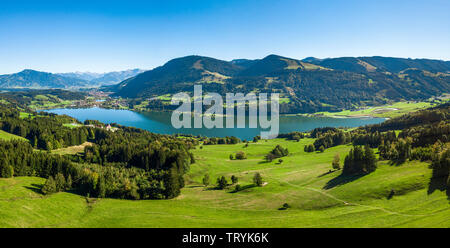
8, 136
72, 149
299, 181
387, 111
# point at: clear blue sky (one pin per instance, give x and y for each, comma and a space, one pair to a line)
99, 36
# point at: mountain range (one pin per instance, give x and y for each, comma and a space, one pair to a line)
307, 85
43, 80
108, 78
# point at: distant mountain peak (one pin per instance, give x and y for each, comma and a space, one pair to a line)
106, 78
37, 79
32, 71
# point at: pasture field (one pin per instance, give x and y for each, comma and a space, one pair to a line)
386, 111
318, 196
8, 136
72, 149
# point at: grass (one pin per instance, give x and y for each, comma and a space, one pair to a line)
24, 115
318, 197
285, 100
8, 136
72, 149
386, 111
72, 125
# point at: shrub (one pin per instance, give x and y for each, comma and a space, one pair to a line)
277, 152
269, 157
222, 182
237, 188
257, 179
321, 149
309, 148
336, 162
49, 186
60, 182
234, 179
206, 180
241, 155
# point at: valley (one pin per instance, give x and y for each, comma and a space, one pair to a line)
300, 188
363, 143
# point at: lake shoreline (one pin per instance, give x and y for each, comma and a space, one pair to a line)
160, 122
167, 111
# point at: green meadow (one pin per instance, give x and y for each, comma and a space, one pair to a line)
318, 196
386, 111
8, 136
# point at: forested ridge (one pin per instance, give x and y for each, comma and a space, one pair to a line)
123, 162
23, 99
311, 85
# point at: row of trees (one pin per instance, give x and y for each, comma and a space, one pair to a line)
221, 141
222, 182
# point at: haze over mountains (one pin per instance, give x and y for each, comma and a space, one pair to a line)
307, 85
43, 80
107, 78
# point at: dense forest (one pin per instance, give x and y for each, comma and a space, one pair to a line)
125, 163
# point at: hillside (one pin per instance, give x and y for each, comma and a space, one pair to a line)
174, 75
309, 85
409, 185
41, 99
39, 80
299, 181
383, 64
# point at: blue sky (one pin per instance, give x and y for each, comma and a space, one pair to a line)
99, 36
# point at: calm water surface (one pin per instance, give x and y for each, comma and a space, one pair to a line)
159, 122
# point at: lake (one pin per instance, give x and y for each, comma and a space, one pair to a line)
159, 122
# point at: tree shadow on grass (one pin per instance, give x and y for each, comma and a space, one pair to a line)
214, 188
398, 162
249, 186
340, 180
326, 173
264, 162
194, 186
36, 188
439, 183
